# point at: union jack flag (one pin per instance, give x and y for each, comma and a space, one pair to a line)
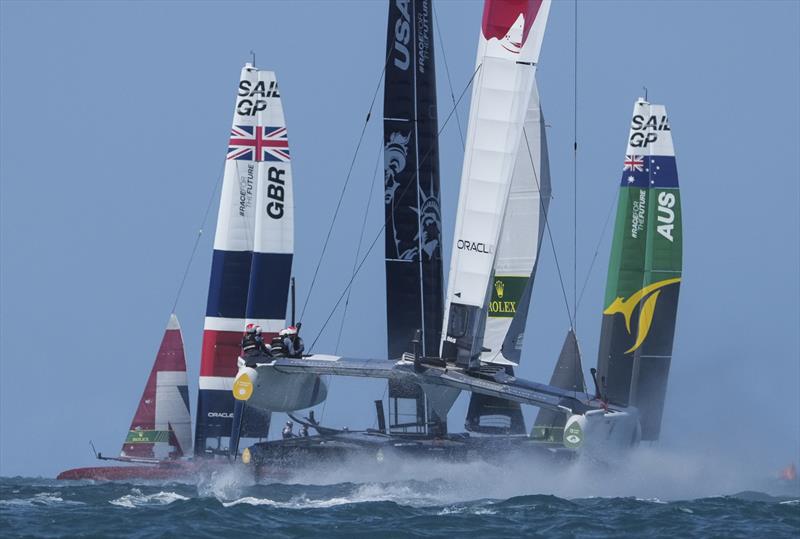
634, 163
258, 143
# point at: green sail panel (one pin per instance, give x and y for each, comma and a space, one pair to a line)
644, 272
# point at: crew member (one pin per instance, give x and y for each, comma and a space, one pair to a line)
250, 345
304, 431
263, 347
292, 342
287, 430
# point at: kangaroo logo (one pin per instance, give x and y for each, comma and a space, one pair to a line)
625, 307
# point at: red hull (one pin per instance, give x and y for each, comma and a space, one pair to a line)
167, 471
118, 473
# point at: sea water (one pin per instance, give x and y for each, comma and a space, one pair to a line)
653, 497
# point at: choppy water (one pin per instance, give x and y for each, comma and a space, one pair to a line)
457, 501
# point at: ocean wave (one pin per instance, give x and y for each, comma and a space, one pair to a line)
405, 495
137, 499
465, 509
40, 499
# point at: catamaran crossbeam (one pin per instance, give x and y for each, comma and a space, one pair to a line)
586, 415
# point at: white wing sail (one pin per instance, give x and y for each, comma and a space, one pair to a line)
520, 242
508, 50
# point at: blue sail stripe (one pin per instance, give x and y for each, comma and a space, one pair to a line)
270, 276
230, 282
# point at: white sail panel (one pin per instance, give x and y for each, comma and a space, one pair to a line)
236, 218
172, 412
520, 240
274, 220
273, 241
507, 52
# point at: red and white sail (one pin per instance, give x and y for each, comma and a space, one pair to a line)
162, 425
508, 49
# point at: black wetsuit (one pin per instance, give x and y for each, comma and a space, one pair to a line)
250, 344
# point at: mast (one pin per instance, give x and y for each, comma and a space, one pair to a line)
509, 45
644, 272
414, 279
253, 247
162, 425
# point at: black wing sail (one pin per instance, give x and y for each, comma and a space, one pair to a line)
414, 282
568, 374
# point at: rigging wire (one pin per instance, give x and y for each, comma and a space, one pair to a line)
360, 242
547, 227
383, 227
344, 187
447, 70
597, 250
575, 178
199, 235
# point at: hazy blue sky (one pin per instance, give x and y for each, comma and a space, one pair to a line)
114, 122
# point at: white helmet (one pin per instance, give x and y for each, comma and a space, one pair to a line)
291, 330
258, 330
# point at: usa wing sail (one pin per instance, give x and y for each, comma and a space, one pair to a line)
162, 425
510, 40
414, 281
644, 272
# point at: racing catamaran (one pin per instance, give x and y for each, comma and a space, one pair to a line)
492, 268
160, 435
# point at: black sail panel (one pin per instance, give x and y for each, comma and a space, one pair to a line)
568, 374
414, 282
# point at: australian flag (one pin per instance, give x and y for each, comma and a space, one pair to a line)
645, 171
258, 143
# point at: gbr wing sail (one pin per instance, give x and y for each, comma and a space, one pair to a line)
644, 272
253, 248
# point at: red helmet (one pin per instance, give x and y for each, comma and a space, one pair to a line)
291, 330
250, 328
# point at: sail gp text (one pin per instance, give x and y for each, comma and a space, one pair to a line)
645, 132
252, 97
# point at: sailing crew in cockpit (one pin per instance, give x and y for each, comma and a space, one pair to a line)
253, 345
292, 342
